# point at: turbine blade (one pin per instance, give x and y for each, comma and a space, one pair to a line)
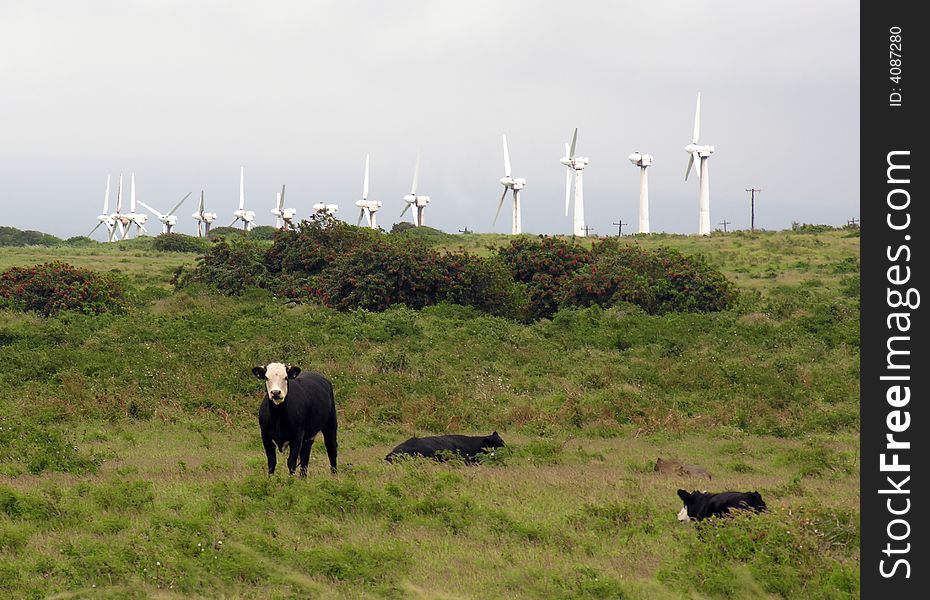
106, 197
506, 159
403, 212
132, 193
233, 222
201, 201
690, 163
119, 195
178, 205
697, 120
99, 223
571, 153
568, 187
501, 204
416, 176
283, 185
152, 210
365, 185
361, 215
241, 188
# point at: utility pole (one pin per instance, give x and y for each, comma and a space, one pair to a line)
725, 223
620, 225
466, 230
752, 192
587, 230
853, 221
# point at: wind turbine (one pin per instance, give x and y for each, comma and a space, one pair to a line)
246, 216
369, 208
516, 185
702, 153
576, 164
134, 218
326, 209
105, 218
122, 220
169, 219
642, 161
418, 202
284, 216
204, 219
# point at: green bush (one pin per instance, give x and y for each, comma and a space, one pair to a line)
50, 288
11, 236
544, 264
659, 281
317, 243
178, 242
263, 232
230, 266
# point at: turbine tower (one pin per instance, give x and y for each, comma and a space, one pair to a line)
369, 208
642, 161
701, 153
169, 219
575, 164
105, 218
516, 185
204, 219
412, 199
121, 220
284, 217
246, 216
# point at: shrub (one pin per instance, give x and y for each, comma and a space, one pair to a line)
317, 242
484, 283
263, 232
178, 242
544, 264
659, 281
50, 288
11, 236
230, 266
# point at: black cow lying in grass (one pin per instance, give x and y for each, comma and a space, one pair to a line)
701, 505
443, 447
296, 407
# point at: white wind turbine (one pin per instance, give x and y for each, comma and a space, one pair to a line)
204, 219
642, 161
105, 218
702, 153
516, 185
326, 209
369, 208
284, 217
137, 219
412, 199
246, 216
122, 220
169, 219
575, 164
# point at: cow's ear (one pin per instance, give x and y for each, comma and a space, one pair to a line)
684, 495
259, 372
292, 372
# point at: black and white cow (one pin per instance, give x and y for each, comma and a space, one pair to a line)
701, 505
438, 447
297, 406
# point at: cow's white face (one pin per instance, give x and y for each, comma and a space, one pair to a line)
683, 514
276, 376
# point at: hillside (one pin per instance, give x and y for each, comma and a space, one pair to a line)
130, 459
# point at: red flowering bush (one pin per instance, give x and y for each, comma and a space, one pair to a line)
317, 242
53, 287
659, 281
544, 264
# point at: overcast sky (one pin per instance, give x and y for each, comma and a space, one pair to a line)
183, 93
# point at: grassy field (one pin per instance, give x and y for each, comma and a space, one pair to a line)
131, 466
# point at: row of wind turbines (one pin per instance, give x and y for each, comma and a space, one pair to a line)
119, 224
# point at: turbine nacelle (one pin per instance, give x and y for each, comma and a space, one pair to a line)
513, 183
576, 163
329, 209
702, 151
640, 160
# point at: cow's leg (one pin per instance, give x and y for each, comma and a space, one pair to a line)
296, 444
305, 454
329, 438
268, 443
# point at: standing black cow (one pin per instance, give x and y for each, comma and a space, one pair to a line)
466, 446
296, 407
701, 505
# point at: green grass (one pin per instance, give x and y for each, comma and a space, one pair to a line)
131, 466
